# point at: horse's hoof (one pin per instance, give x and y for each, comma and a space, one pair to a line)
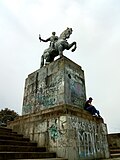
61, 56
46, 63
73, 50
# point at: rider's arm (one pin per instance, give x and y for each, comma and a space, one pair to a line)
44, 40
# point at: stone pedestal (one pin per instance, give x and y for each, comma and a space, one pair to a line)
53, 113
60, 82
69, 131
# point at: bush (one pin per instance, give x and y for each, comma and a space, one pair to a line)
7, 115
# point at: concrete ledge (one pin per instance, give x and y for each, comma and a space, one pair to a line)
60, 110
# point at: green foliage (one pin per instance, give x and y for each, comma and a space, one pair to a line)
7, 115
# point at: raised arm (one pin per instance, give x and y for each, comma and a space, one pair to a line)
43, 40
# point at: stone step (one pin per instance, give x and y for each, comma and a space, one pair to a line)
13, 137
45, 159
115, 155
11, 133
109, 159
26, 155
7, 132
117, 150
11, 148
3, 129
17, 143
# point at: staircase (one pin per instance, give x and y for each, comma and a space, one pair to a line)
14, 146
114, 145
115, 152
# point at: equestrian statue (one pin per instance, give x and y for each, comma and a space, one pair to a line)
57, 46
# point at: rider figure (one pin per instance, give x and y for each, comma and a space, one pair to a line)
57, 46
52, 40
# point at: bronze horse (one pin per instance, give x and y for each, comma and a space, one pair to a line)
59, 46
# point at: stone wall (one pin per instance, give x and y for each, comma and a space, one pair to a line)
60, 82
69, 131
114, 140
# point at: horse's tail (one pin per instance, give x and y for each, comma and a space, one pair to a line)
42, 61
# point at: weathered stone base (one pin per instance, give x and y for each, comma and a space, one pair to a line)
60, 82
69, 131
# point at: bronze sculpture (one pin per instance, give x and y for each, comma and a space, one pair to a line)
57, 46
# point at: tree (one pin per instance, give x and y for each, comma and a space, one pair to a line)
7, 115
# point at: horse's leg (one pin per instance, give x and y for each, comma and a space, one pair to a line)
75, 46
60, 50
42, 61
47, 57
70, 45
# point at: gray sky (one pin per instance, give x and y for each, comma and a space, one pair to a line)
96, 25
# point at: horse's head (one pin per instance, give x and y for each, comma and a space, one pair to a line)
66, 33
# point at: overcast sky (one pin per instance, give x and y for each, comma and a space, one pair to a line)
96, 29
